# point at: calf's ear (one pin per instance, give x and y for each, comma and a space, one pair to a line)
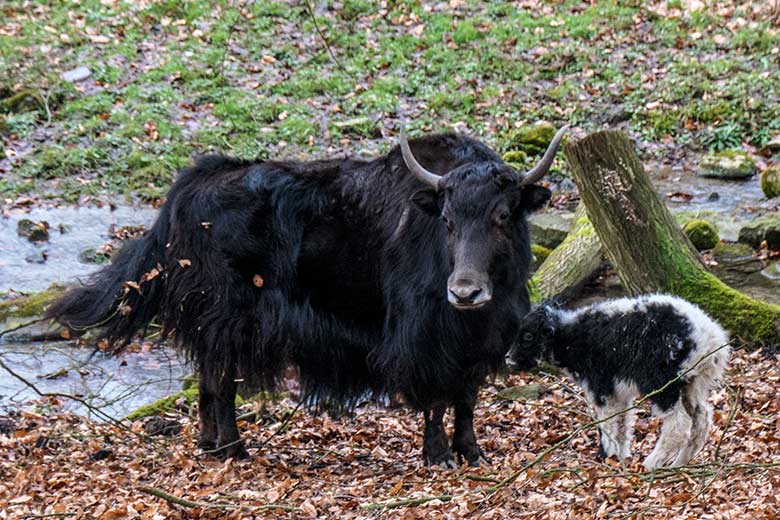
427, 200
533, 197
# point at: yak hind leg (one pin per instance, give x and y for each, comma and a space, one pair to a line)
464, 440
218, 416
436, 448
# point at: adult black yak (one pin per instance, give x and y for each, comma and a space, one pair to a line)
383, 275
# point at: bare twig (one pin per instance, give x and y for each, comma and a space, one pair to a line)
159, 493
407, 502
322, 35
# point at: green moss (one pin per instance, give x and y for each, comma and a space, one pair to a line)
540, 254
31, 305
23, 101
702, 234
531, 139
516, 158
165, 404
770, 182
747, 319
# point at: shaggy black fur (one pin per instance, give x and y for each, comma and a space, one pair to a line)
354, 281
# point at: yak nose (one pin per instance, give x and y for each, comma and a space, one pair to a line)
466, 293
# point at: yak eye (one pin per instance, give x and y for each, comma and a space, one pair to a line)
503, 217
528, 336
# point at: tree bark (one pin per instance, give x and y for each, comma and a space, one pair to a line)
570, 264
644, 243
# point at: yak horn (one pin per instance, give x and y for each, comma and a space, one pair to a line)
416, 168
541, 169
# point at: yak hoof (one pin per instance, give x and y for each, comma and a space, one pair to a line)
207, 444
235, 451
446, 464
480, 461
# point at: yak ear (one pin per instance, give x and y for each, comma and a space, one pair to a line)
427, 200
533, 197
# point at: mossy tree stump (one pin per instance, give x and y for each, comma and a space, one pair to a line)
644, 243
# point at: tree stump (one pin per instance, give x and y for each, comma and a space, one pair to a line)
646, 246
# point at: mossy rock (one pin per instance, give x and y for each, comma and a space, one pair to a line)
25, 100
702, 234
91, 255
772, 272
531, 139
729, 253
763, 228
516, 159
770, 182
31, 305
523, 392
728, 164
540, 254
33, 231
358, 126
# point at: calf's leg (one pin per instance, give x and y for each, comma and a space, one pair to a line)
674, 439
436, 448
464, 440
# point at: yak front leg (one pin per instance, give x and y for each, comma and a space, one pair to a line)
464, 440
206, 417
436, 447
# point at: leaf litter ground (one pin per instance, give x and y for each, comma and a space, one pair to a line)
368, 464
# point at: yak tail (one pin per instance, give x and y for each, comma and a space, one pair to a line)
123, 297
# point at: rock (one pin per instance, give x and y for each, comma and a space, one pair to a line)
550, 229
91, 255
763, 228
33, 231
702, 234
100, 455
770, 182
7, 426
713, 196
162, 426
773, 145
614, 115
39, 257
772, 272
531, 139
76, 75
729, 164
727, 253
529, 391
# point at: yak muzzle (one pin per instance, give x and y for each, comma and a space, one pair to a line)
469, 292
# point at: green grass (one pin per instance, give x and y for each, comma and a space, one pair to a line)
174, 79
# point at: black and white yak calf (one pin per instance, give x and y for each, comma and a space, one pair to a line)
387, 275
621, 349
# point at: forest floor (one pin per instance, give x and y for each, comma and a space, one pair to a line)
368, 464
302, 79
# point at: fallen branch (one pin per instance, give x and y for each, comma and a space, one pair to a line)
407, 502
159, 493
